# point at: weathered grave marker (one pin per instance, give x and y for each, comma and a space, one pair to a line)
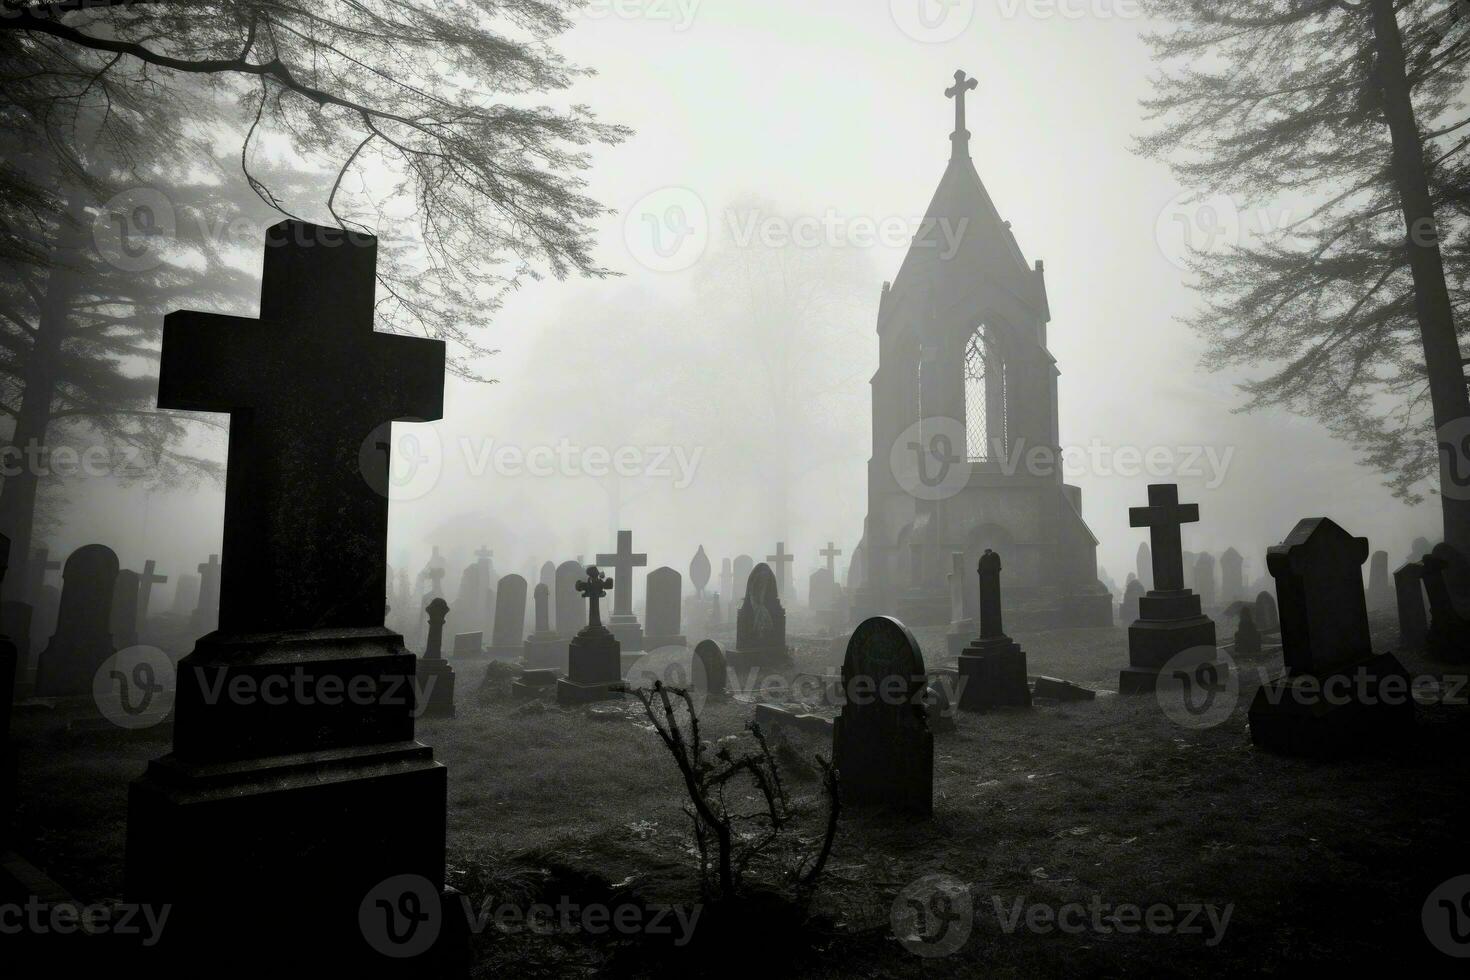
435, 675
594, 657
508, 639
760, 625
623, 624
993, 667
83, 638
665, 598
881, 745
545, 648
1408, 585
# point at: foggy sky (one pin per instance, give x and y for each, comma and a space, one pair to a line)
828, 111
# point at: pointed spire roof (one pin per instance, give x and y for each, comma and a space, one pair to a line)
963, 235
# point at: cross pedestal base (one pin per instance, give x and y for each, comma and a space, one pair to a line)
1362, 706
628, 632
594, 668
1171, 625
993, 675
294, 765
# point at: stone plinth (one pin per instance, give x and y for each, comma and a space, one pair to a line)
594, 668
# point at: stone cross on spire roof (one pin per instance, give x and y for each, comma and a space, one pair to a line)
962, 84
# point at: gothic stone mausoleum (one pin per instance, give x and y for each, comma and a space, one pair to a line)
965, 390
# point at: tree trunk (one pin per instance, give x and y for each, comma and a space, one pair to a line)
25, 466
1442, 358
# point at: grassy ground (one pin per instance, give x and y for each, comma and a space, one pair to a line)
1106, 801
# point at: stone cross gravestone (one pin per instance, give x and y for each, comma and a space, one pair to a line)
507, 640
216, 826
545, 648
760, 625
146, 582
1336, 695
1408, 584
881, 745
435, 681
783, 563
623, 623
993, 667
665, 597
83, 638
594, 657
1171, 628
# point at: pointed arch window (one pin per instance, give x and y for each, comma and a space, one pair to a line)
986, 437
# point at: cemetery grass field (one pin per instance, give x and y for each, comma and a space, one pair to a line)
1105, 801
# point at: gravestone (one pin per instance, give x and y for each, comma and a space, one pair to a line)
83, 638
468, 612
727, 578
993, 668
881, 745
508, 639
435, 681
571, 612
1268, 620
328, 790
1131, 596
186, 596
467, 646
548, 579
146, 582
1408, 585
544, 647
665, 589
963, 606
1204, 580
1144, 566
623, 623
124, 626
716, 614
1336, 695
760, 625
710, 671
743, 566
594, 657
1171, 627
699, 569
1448, 637
431, 576
1247, 637
1419, 548
820, 589
206, 613
1380, 593
938, 711
1232, 577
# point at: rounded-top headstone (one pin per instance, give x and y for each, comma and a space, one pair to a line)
882, 647
699, 569
710, 669
761, 586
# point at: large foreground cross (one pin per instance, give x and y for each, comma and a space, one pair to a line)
1163, 517
623, 561
307, 387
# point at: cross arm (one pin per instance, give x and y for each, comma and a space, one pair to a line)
203, 365
412, 369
